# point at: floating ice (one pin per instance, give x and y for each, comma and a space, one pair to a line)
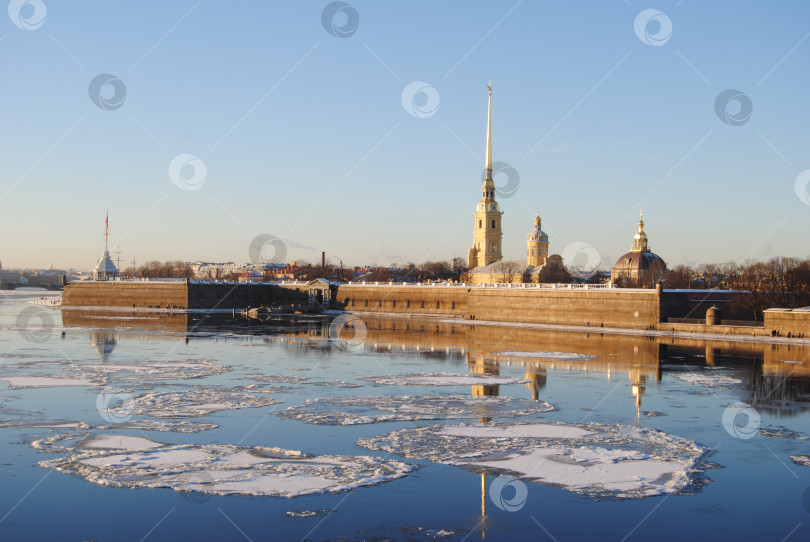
590, 459
43, 424
190, 403
441, 379
117, 442
223, 469
713, 381
392, 408
176, 426
563, 356
803, 460
297, 379
306, 513
44, 381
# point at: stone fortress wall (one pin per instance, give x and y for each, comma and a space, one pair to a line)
642, 309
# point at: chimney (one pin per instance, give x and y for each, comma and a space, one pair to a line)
323, 260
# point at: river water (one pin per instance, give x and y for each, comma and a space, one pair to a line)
156, 426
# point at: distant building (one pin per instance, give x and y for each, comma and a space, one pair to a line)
105, 268
640, 266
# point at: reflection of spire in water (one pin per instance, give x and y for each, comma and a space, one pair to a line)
483, 504
479, 366
536, 377
638, 380
104, 343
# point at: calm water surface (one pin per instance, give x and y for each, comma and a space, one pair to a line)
753, 491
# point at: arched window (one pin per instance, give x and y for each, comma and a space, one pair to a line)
480, 224
493, 223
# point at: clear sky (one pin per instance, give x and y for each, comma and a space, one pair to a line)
603, 109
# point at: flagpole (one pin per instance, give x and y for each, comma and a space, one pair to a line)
106, 238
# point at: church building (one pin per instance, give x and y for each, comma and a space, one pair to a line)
640, 267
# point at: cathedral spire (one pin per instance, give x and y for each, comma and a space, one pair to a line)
640, 242
489, 134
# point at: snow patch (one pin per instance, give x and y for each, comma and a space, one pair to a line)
441, 379
227, 470
394, 408
713, 381
591, 459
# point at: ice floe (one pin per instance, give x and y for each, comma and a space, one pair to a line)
392, 408
591, 459
175, 426
803, 460
298, 379
34, 423
190, 403
44, 381
711, 380
218, 469
441, 379
562, 356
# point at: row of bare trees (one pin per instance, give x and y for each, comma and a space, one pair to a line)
156, 269
778, 282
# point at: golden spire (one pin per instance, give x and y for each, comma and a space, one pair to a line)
640, 240
489, 134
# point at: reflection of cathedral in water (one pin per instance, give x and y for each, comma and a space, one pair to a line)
774, 377
104, 343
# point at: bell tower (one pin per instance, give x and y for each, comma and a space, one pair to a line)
537, 244
487, 234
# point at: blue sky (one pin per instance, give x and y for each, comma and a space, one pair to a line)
304, 136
